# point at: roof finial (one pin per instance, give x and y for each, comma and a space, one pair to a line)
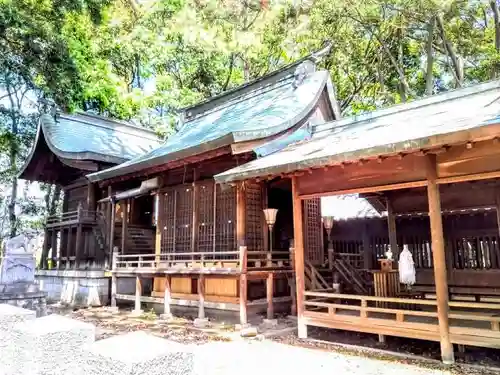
49, 106
324, 51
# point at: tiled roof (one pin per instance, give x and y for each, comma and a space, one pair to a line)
401, 128
259, 112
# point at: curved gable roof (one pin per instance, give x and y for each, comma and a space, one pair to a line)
89, 137
265, 111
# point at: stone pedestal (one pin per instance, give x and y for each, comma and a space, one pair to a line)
137, 353
51, 345
10, 316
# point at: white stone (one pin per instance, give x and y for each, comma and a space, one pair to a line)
137, 353
51, 344
201, 323
270, 323
249, 332
10, 316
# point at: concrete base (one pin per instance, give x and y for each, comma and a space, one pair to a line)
26, 296
137, 313
249, 332
270, 323
166, 317
201, 323
113, 310
80, 288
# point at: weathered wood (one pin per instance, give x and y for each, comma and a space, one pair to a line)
68, 246
114, 280
438, 255
243, 299
265, 204
53, 245
391, 228
241, 214
201, 297
497, 204
124, 226
270, 295
298, 231
112, 231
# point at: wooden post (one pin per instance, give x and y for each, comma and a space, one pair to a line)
201, 297
45, 252
367, 251
160, 224
68, 246
243, 285
265, 228
497, 201
269, 294
112, 229
91, 201
167, 298
79, 237
196, 210
438, 256
114, 280
298, 233
53, 245
124, 225
391, 227
241, 214
293, 288
138, 294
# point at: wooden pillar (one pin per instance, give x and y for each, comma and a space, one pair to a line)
243, 286
167, 298
114, 280
160, 224
367, 251
138, 294
497, 201
391, 227
196, 210
68, 246
53, 240
438, 256
293, 288
241, 214
265, 204
91, 199
112, 230
201, 297
298, 233
124, 225
45, 251
79, 245
270, 294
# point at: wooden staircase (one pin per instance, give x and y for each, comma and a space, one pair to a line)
354, 280
315, 279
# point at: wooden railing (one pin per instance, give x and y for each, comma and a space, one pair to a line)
366, 312
313, 278
238, 260
71, 217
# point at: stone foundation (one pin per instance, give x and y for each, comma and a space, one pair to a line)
80, 288
35, 301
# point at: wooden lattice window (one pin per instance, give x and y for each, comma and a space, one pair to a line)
254, 219
206, 217
168, 230
313, 231
184, 219
225, 239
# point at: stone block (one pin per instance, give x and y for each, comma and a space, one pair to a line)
10, 316
51, 345
137, 353
201, 323
249, 332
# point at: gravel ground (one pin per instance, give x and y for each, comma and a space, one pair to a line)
220, 350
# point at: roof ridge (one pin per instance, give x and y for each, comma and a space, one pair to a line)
442, 97
109, 123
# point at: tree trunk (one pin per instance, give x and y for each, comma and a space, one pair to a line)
456, 63
13, 159
55, 200
496, 17
429, 76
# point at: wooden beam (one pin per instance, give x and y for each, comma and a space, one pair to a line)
124, 204
298, 233
241, 214
391, 228
270, 295
68, 246
114, 280
160, 222
53, 246
438, 256
112, 231
201, 297
91, 198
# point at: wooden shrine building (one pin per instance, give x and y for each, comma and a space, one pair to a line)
67, 147
432, 170
186, 241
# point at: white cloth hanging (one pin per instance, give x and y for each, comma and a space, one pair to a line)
406, 267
